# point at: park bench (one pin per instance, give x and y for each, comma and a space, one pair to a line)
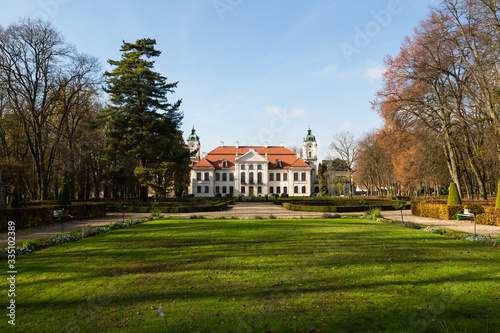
465, 216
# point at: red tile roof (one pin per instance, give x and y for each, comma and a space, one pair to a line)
215, 157
203, 164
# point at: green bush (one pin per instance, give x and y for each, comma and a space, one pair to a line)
29, 245
14, 198
64, 198
454, 196
26, 217
374, 213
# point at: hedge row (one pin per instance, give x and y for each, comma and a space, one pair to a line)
39, 216
491, 217
180, 209
334, 209
447, 212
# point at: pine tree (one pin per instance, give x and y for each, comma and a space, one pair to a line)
14, 198
141, 122
64, 198
453, 195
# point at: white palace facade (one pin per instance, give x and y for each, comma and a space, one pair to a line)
253, 170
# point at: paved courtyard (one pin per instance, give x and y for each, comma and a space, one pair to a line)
242, 210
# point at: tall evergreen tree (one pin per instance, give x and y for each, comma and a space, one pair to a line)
141, 122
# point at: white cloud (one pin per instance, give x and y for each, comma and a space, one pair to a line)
278, 111
332, 68
375, 72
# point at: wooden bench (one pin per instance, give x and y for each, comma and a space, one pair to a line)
465, 216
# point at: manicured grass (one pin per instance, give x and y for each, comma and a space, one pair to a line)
337, 275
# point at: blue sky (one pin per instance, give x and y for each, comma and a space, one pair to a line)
250, 71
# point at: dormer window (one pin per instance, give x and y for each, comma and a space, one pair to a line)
278, 164
225, 164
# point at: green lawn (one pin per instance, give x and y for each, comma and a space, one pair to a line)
340, 275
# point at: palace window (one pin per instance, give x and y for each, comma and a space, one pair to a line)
278, 177
271, 190
243, 189
217, 189
224, 190
259, 178
278, 190
250, 167
243, 178
224, 177
296, 176
207, 189
296, 189
278, 164
259, 190
285, 177
198, 176
224, 164
231, 177
243, 167
304, 176
207, 176
303, 189
259, 167
217, 177
271, 177
231, 189
285, 189
198, 189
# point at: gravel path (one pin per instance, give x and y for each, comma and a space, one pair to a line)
240, 210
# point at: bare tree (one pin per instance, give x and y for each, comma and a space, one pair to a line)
39, 70
345, 147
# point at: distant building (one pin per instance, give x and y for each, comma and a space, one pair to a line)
337, 177
253, 170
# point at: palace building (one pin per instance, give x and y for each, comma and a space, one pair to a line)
253, 170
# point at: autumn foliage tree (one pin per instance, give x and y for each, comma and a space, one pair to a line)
442, 86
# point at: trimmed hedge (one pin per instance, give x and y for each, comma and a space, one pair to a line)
26, 217
436, 211
334, 209
446, 212
87, 211
490, 217
36, 216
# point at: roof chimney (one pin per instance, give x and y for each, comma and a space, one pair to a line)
266, 155
298, 155
222, 143
236, 155
237, 146
204, 155
265, 144
281, 144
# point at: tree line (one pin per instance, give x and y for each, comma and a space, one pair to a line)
440, 106
58, 125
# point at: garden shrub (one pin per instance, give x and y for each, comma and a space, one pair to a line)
64, 197
14, 198
121, 224
26, 217
62, 239
374, 214
88, 232
454, 196
29, 245
492, 217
